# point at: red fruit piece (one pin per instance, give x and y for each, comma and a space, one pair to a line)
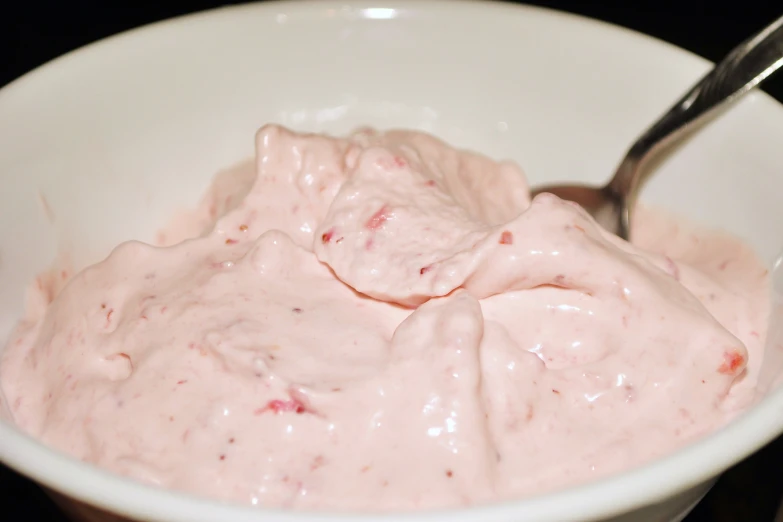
327, 236
506, 238
292, 405
278, 406
378, 219
732, 361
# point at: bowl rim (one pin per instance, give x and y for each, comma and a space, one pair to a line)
687, 467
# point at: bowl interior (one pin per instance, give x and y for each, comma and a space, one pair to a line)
105, 144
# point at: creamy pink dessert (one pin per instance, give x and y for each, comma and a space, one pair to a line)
383, 322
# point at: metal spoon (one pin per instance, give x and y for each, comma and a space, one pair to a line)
746, 66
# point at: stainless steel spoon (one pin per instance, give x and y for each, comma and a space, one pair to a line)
746, 66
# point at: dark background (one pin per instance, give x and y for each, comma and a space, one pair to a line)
32, 33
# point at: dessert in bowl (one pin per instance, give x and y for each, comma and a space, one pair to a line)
391, 240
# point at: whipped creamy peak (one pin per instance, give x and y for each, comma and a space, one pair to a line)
383, 322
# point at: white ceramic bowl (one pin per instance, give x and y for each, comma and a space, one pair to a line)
118, 135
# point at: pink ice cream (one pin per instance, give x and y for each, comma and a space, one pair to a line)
383, 322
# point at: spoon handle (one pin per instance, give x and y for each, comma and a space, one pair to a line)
741, 70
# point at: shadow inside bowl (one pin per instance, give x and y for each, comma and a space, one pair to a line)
81, 512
